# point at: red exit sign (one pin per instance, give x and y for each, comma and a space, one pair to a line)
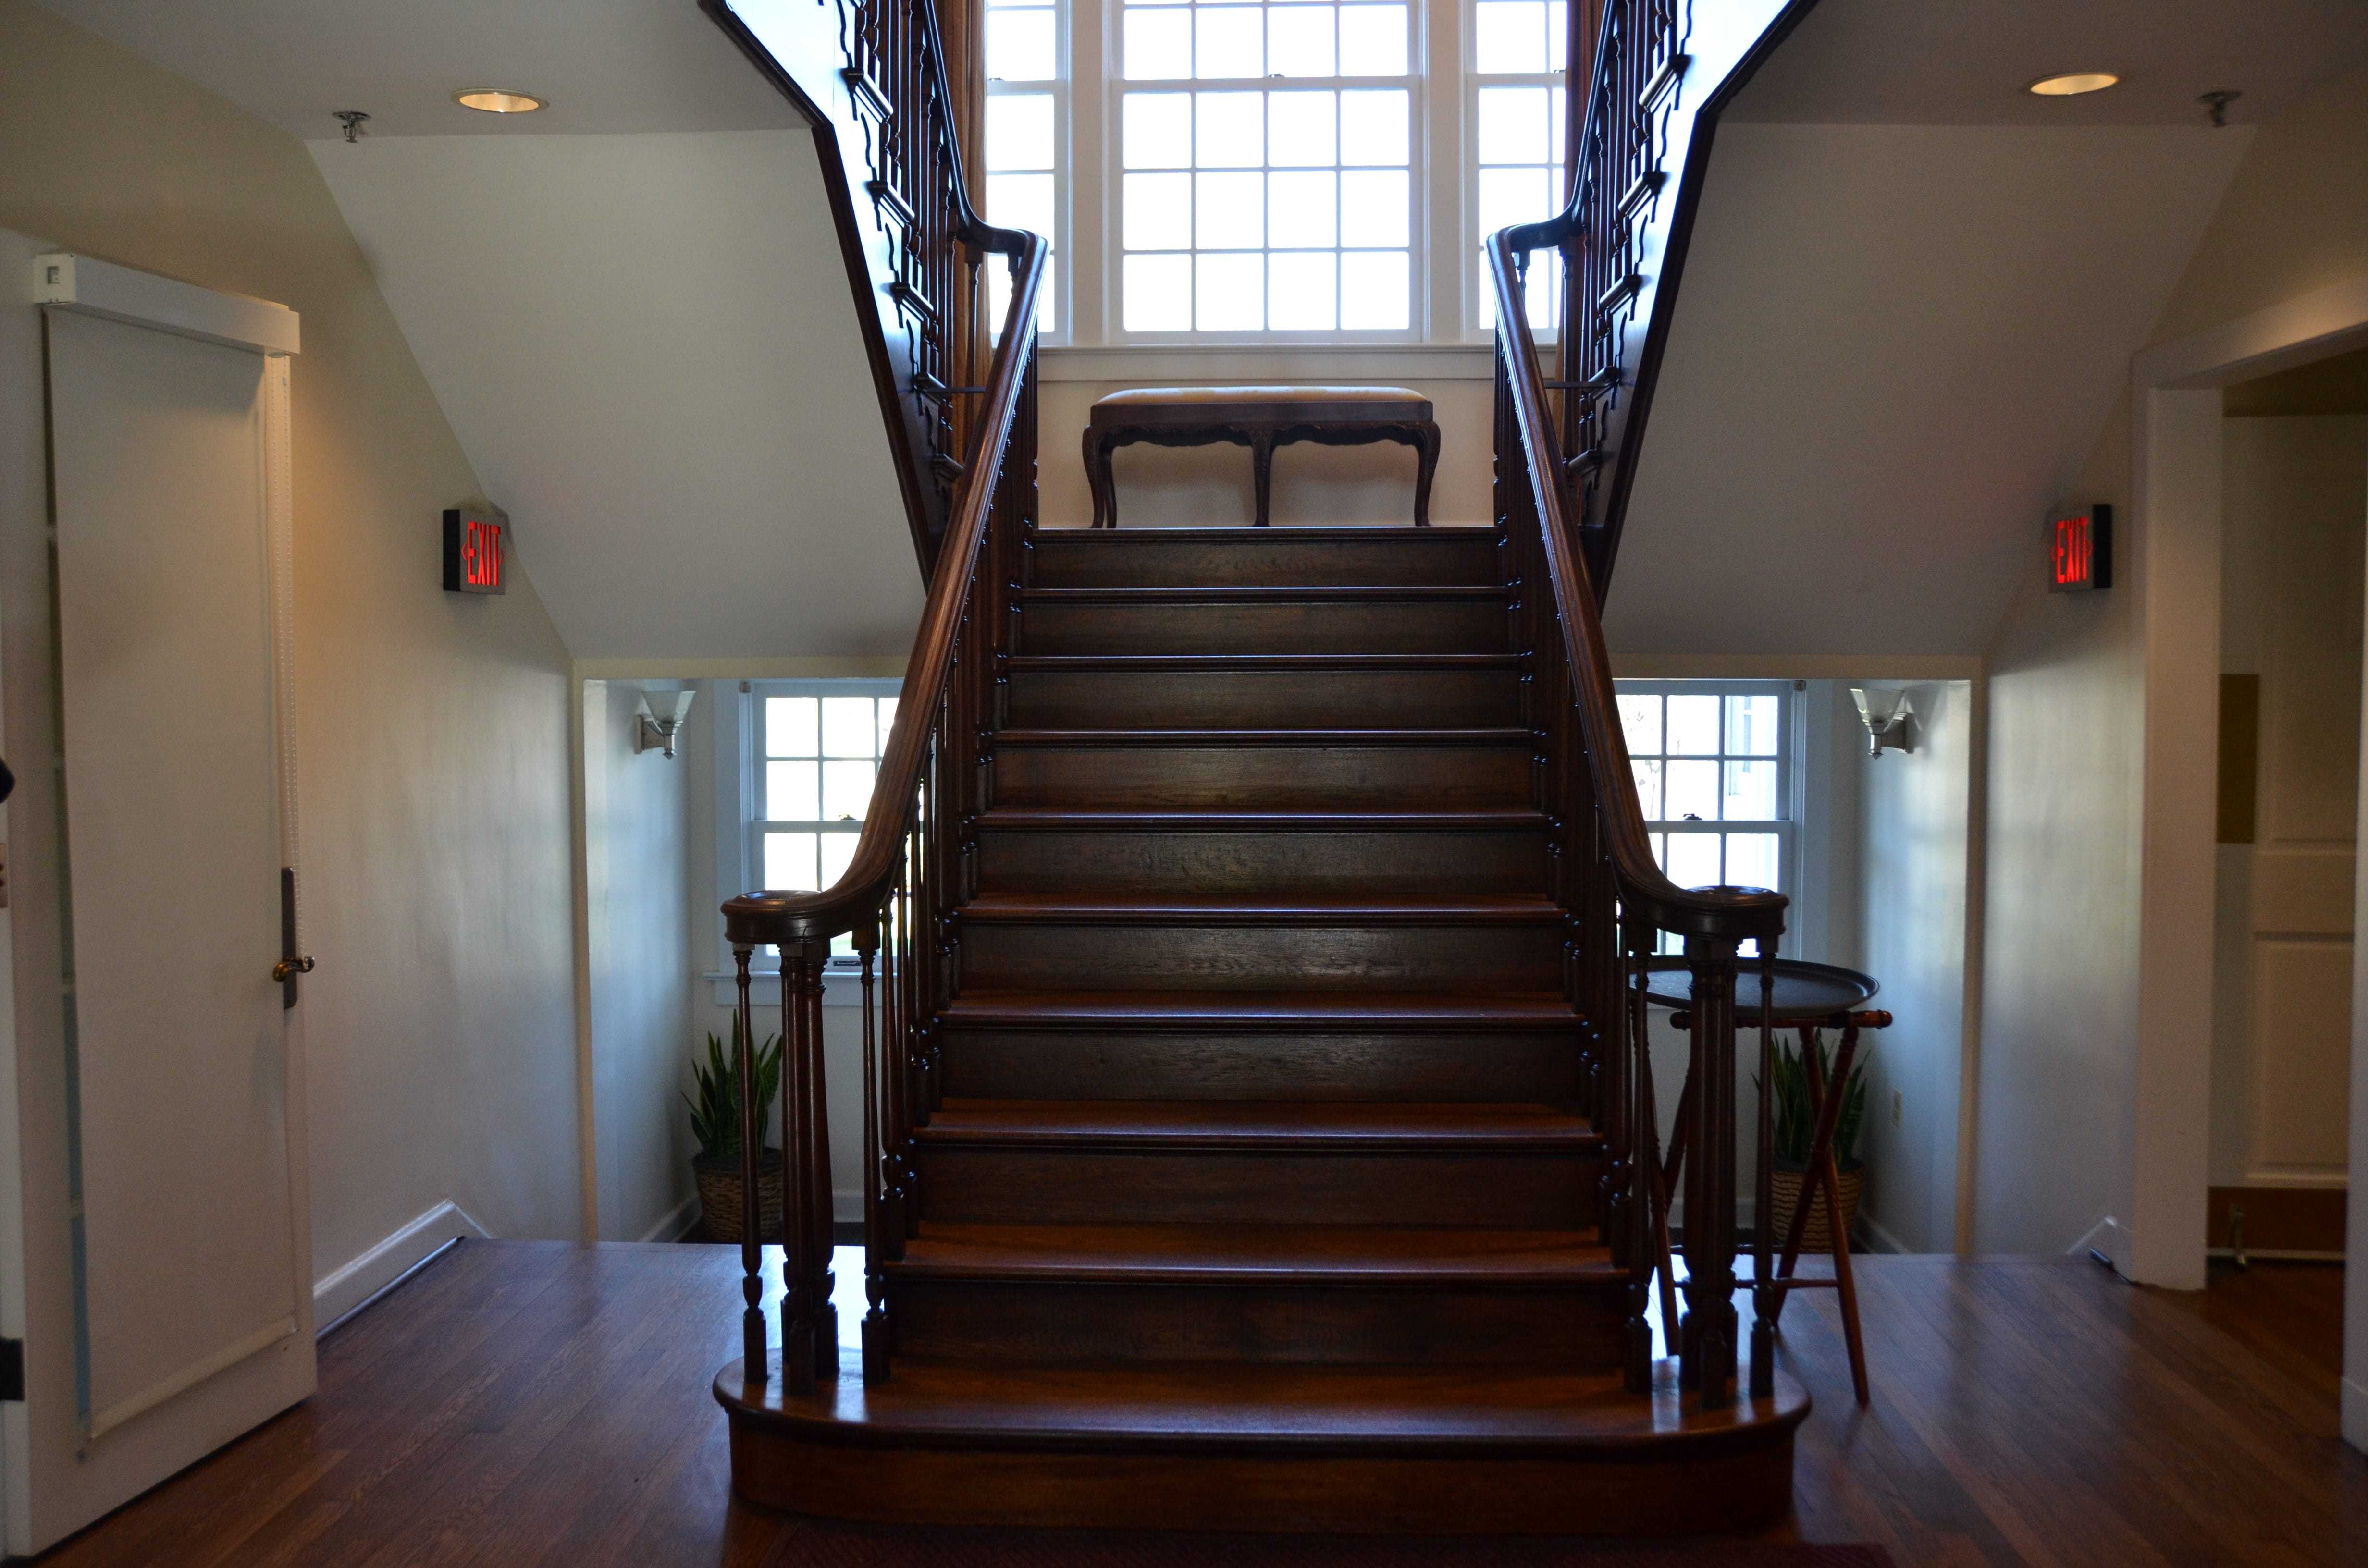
476, 552
2080, 551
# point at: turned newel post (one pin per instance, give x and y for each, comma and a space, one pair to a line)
809, 1323
752, 1245
875, 1315
1708, 1353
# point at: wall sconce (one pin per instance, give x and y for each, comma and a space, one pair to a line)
659, 730
1885, 716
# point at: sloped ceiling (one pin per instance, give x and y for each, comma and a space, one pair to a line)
631, 305
1911, 300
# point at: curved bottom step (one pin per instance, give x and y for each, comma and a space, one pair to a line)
1351, 1451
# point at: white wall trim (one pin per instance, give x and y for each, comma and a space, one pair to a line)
1353, 362
2291, 332
1884, 1241
676, 1223
1899, 668
343, 1288
65, 281
789, 667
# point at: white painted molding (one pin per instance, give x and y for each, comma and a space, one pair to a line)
2355, 1414
342, 1289
1883, 1240
2291, 332
676, 1223
1268, 363
97, 288
1796, 666
789, 668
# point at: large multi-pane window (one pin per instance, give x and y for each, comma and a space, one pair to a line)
1252, 171
1025, 116
1519, 115
1712, 765
1267, 155
816, 753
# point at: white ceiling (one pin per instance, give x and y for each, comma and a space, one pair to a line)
1895, 350
647, 348
604, 65
1968, 62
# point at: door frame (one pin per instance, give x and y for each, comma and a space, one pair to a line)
57, 1477
2176, 551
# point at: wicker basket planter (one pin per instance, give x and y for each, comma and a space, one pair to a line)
720, 1196
1817, 1236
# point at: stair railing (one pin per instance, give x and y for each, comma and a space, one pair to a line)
1561, 522
912, 860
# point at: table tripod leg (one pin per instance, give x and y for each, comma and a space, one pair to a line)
1822, 1157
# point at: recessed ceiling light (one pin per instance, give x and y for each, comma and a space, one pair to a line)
505, 101
2072, 83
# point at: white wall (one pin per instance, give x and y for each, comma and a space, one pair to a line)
1913, 856
637, 854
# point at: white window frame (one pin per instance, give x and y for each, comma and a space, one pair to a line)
1789, 783
740, 798
1449, 272
1064, 267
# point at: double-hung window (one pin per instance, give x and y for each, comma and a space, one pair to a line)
1713, 765
1276, 171
1267, 157
812, 753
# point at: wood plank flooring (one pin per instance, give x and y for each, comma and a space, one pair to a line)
544, 1403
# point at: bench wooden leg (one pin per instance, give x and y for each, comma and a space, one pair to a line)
1097, 478
1262, 474
1426, 447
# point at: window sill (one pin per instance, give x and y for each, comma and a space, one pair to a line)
1271, 361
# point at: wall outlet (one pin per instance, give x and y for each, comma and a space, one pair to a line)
1897, 1106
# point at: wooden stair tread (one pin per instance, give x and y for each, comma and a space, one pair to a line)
1365, 1009
1467, 909
1241, 664
1261, 593
1478, 735
1274, 533
1400, 1410
1216, 1254
1361, 1126
1057, 819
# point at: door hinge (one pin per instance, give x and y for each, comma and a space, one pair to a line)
12, 1371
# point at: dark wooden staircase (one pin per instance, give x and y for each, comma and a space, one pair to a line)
1258, 1189
1258, 1122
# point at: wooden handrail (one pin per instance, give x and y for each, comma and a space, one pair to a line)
1706, 912
756, 919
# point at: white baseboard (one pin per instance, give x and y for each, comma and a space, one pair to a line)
676, 1223
1883, 1240
2355, 1414
342, 1289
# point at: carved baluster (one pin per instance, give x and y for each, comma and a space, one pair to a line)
875, 1316
752, 1246
1763, 1200
1636, 1077
1709, 1330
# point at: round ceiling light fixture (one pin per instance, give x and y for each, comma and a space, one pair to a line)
498, 100
2072, 83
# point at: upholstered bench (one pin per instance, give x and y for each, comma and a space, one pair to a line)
1260, 418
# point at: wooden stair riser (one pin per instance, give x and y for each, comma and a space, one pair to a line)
1033, 1185
1052, 1323
1378, 626
1240, 778
1286, 558
1214, 864
1320, 698
1038, 956
1109, 1064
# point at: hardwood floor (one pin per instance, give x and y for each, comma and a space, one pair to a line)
539, 1403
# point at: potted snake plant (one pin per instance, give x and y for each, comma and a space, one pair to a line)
1797, 1128
715, 1122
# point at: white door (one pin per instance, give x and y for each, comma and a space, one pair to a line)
188, 1265
2292, 612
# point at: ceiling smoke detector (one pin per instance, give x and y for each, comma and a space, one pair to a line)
498, 100
2072, 83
